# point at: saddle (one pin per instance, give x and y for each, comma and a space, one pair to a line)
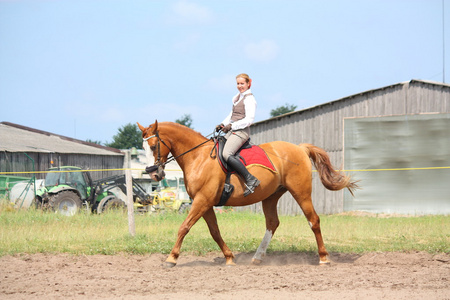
248, 154
220, 144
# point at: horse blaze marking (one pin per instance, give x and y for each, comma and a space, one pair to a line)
148, 152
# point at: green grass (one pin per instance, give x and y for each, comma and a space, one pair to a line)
36, 231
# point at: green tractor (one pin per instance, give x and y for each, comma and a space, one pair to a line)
68, 189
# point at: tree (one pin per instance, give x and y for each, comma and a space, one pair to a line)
94, 142
185, 120
128, 136
281, 110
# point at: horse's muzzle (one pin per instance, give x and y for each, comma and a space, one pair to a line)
156, 172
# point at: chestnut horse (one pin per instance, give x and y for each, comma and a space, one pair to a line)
205, 180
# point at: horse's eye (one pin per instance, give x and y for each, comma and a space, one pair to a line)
153, 147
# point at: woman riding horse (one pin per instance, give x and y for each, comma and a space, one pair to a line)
205, 180
237, 128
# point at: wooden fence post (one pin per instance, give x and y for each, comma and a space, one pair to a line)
130, 202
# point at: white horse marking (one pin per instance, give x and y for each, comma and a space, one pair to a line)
263, 246
148, 153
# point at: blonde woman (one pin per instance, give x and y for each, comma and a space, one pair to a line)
237, 128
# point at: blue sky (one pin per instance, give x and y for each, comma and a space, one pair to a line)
83, 69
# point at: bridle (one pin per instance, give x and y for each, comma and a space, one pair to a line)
158, 147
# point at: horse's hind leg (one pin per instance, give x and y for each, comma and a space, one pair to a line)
307, 207
269, 206
211, 221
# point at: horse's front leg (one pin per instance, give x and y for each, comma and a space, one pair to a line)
211, 220
198, 209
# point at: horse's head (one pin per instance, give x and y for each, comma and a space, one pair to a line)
154, 145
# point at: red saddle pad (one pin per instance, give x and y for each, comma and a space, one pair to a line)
255, 156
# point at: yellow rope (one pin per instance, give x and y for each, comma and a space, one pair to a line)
101, 170
67, 171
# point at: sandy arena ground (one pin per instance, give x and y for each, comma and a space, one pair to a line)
281, 276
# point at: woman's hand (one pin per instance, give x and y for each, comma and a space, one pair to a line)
227, 128
219, 127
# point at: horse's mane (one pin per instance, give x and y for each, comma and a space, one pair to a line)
181, 127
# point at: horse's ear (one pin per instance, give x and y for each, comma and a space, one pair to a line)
142, 128
156, 125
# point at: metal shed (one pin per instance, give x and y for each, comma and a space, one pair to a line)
323, 126
23, 148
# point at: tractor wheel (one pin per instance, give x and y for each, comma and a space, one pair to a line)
110, 203
66, 203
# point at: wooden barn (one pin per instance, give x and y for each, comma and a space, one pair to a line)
395, 139
24, 149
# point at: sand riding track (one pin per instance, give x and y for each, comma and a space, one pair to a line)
281, 276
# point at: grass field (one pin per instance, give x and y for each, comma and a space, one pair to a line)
36, 231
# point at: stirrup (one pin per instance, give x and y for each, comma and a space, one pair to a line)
251, 189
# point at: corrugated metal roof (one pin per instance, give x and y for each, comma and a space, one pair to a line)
18, 138
412, 81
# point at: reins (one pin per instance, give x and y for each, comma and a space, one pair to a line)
172, 157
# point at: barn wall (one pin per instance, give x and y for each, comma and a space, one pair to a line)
323, 126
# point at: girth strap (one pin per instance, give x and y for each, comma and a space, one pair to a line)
227, 191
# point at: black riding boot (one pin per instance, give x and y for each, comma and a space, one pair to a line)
250, 181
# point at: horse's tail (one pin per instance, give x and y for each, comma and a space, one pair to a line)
331, 179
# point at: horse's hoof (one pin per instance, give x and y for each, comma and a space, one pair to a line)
169, 265
230, 263
324, 260
324, 263
256, 261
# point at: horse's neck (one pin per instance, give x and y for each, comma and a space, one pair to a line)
183, 143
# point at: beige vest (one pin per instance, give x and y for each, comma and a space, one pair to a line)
238, 111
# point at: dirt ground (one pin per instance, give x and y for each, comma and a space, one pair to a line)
280, 276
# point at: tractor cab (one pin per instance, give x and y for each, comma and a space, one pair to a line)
69, 177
